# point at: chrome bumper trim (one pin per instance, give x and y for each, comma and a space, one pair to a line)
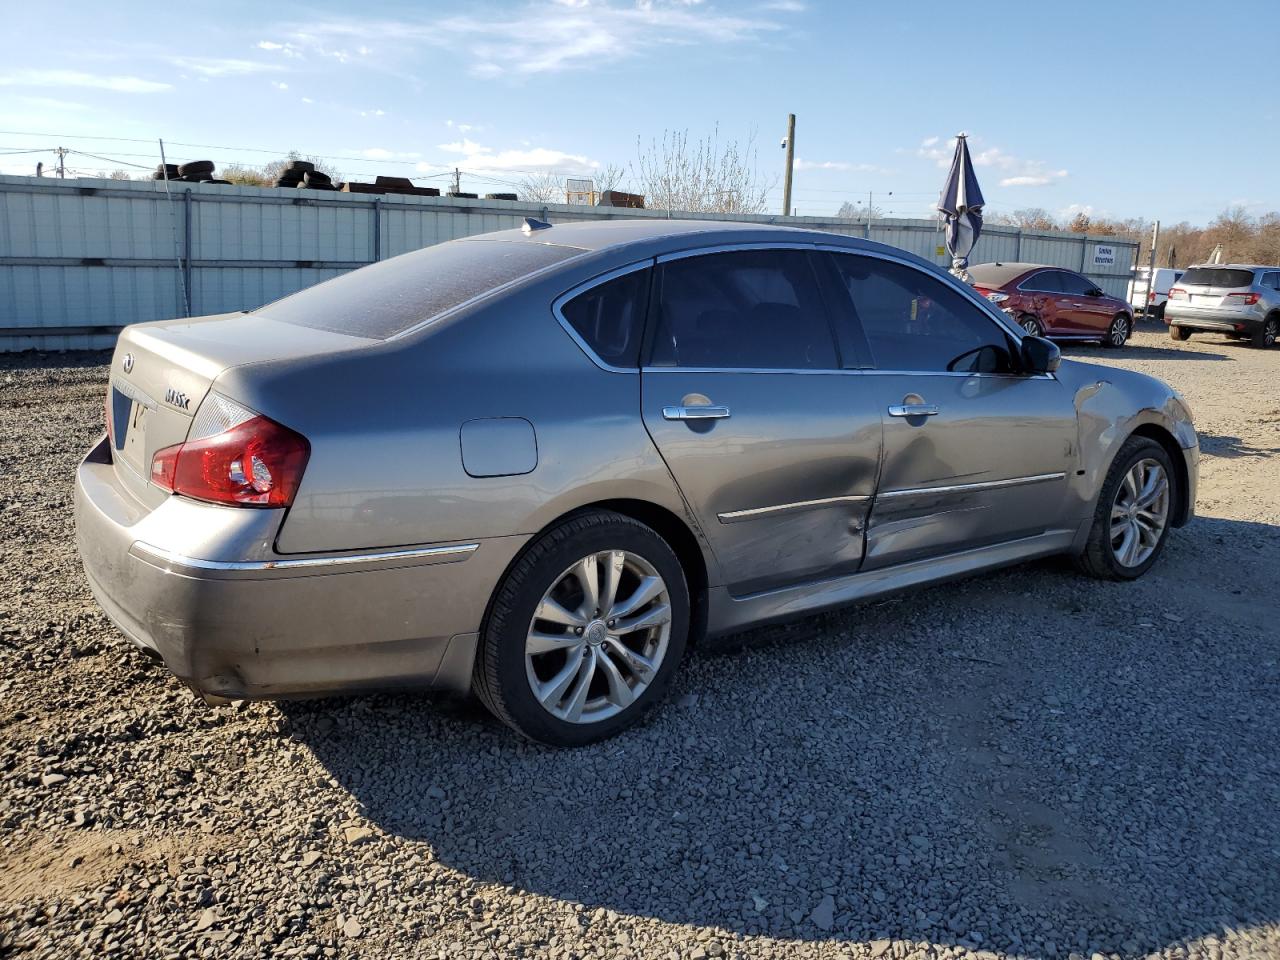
735, 516
967, 487
298, 566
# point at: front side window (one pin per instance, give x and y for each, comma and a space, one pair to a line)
609, 317
746, 309
914, 322
1076, 285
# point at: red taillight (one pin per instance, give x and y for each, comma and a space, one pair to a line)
1151, 295
982, 290
1177, 293
1248, 299
256, 463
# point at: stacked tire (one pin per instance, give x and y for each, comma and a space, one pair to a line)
303, 175
197, 171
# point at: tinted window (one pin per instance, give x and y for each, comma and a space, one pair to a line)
1271, 280
610, 317
389, 297
748, 309
913, 321
1217, 277
1076, 284
1046, 281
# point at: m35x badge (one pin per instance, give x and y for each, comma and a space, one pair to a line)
127, 363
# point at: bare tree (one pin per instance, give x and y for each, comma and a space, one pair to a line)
859, 211
542, 188
240, 174
120, 174
677, 173
612, 177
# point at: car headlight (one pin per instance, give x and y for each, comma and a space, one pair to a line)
1180, 401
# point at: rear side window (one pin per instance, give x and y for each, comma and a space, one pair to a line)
1046, 281
914, 322
748, 309
386, 298
1076, 284
610, 317
1271, 280
1217, 277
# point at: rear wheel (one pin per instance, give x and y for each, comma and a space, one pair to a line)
1131, 521
1118, 332
1179, 333
1267, 334
585, 632
1031, 325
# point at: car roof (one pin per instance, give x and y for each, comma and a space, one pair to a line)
1230, 266
607, 234
1001, 273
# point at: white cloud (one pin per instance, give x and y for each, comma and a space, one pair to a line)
75, 78
843, 165
284, 49
380, 153
223, 66
477, 156
279, 85
463, 128
546, 36
1019, 171
307, 100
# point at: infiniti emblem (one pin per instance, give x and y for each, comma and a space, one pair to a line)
128, 363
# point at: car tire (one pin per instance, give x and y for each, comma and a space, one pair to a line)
1113, 520
579, 658
1268, 333
1031, 325
195, 168
1179, 333
1118, 332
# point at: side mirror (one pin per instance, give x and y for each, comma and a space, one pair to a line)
1095, 292
1040, 355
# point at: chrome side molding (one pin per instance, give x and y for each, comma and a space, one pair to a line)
736, 516
968, 487
301, 566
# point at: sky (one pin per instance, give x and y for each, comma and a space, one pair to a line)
1118, 109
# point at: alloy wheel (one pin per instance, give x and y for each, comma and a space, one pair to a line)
1140, 513
598, 637
1269, 333
1119, 331
1032, 326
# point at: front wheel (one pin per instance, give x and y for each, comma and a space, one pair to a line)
1118, 332
1131, 521
1266, 336
1179, 333
585, 631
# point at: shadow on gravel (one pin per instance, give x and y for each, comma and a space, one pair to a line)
1222, 445
1028, 762
1087, 351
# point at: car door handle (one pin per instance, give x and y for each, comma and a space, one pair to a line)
913, 410
710, 412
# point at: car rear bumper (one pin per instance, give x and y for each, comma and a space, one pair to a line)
201, 586
1201, 318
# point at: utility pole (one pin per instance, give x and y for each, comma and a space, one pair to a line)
1151, 266
790, 144
457, 181
62, 169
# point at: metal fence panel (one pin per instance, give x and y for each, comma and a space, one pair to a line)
81, 258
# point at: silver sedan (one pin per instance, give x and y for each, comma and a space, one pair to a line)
538, 464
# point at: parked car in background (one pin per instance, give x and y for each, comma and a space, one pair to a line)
1238, 299
540, 465
1054, 302
1150, 295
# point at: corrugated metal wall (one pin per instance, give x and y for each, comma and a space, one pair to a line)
81, 258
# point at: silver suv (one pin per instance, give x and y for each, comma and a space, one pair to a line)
1241, 300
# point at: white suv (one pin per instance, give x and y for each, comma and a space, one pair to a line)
1240, 300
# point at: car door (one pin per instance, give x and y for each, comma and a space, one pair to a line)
774, 445
1085, 311
975, 452
1041, 291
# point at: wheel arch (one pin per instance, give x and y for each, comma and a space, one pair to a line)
674, 530
1154, 431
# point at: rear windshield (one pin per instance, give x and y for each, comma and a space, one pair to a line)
383, 299
1218, 277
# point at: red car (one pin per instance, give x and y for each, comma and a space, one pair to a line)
1055, 303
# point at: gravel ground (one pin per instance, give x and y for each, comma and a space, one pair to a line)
1030, 763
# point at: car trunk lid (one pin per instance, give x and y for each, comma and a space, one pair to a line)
160, 373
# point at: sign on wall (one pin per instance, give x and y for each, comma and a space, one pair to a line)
1104, 255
